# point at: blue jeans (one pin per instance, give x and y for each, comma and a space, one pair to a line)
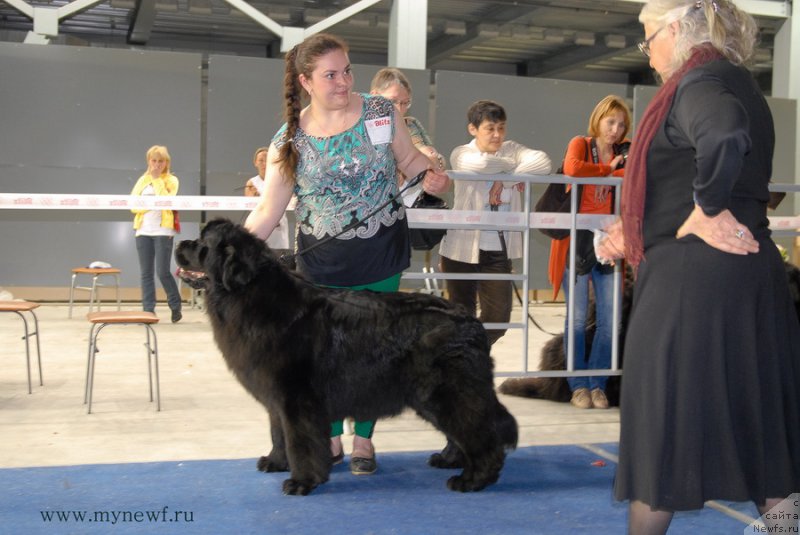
600, 355
155, 254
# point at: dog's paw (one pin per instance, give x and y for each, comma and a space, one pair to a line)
462, 484
437, 460
292, 487
267, 464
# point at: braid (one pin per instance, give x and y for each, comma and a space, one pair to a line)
287, 154
300, 60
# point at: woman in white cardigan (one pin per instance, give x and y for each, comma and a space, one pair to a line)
477, 251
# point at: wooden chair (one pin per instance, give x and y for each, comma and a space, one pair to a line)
93, 290
99, 321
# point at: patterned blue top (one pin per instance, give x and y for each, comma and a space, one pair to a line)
341, 179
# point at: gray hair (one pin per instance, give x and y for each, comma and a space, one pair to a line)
386, 78
720, 23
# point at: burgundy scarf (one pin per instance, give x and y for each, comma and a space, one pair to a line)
635, 182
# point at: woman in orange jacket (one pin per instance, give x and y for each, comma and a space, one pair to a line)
600, 154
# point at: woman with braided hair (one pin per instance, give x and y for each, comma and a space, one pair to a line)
339, 156
710, 408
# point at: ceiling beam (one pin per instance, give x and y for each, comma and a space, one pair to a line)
573, 59
21, 6
144, 16
448, 45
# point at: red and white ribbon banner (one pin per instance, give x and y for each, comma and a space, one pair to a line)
444, 218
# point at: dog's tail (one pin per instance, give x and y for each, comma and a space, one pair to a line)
551, 388
506, 427
525, 388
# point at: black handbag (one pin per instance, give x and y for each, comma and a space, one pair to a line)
427, 238
556, 198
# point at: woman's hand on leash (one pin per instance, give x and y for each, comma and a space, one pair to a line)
721, 231
436, 182
612, 246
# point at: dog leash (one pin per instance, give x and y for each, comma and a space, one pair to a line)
286, 259
501, 234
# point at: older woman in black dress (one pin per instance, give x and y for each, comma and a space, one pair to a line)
710, 407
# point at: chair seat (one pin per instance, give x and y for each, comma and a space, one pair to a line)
17, 306
133, 316
96, 271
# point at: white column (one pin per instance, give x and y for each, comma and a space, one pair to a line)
786, 84
408, 34
786, 75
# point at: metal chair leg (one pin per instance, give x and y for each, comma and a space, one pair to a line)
28, 335
72, 293
27, 349
149, 361
93, 334
93, 294
38, 347
152, 362
119, 302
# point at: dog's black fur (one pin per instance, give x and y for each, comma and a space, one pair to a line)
314, 355
552, 355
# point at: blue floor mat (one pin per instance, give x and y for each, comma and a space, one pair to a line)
545, 489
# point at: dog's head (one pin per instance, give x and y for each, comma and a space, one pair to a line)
225, 254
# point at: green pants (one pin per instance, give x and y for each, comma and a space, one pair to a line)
392, 284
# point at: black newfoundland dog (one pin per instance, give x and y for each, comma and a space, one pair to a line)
314, 355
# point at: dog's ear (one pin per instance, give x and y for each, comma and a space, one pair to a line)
237, 269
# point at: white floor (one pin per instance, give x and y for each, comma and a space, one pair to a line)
205, 413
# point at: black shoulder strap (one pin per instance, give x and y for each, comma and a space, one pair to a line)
595, 157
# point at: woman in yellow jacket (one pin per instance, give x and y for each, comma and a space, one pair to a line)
155, 231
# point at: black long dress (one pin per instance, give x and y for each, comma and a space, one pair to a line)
710, 403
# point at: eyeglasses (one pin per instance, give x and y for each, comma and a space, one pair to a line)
644, 46
402, 103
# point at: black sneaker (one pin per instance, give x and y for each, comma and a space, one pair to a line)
176, 316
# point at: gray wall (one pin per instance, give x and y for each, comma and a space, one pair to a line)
79, 120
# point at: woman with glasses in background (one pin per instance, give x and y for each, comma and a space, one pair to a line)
393, 85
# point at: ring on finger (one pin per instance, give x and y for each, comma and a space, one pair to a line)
740, 234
